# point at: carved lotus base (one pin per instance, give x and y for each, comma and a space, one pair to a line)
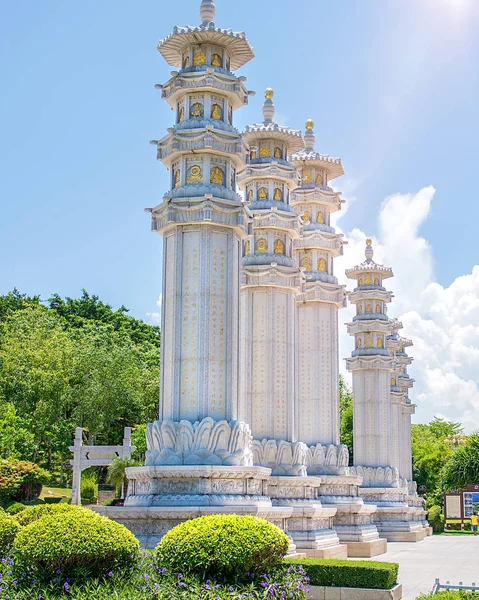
195, 486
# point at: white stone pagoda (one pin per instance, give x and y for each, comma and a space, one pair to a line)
249, 408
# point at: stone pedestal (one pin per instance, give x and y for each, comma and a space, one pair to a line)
310, 525
354, 520
394, 518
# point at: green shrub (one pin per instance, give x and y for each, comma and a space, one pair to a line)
349, 573
8, 530
53, 500
20, 480
223, 546
15, 508
33, 513
451, 595
436, 519
89, 488
75, 541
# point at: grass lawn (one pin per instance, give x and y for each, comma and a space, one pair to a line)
55, 492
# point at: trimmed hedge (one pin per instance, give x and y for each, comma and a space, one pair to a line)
21, 481
33, 513
349, 573
222, 546
436, 519
8, 530
75, 540
15, 508
451, 595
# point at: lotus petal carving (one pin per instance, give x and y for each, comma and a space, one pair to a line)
283, 458
323, 460
207, 442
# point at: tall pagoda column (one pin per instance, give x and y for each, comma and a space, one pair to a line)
317, 392
371, 363
202, 221
270, 280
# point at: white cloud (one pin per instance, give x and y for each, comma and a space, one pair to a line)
155, 317
442, 322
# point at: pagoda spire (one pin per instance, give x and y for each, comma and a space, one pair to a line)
268, 106
207, 11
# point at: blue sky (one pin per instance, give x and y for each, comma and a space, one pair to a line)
392, 85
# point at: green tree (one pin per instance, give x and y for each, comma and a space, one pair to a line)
117, 475
462, 467
346, 416
16, 437
14, 301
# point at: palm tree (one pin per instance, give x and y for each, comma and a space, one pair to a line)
116, 474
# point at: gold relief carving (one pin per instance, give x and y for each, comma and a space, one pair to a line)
306, 216
263, 193
278, 247
393, 381
250, 195
307, 177
196, 110
181, 116
216, 112
247, 247
369, 308
177, 178
278, 194
254, 153
278, 153
216, 60
322, 265
320, 218
306, 263
319, 179
360, 309
360, 343
217, 176
199, 58
368, 280
360, 282
369, 242
194, 175
261, 246
378, 308
265, 151
376, 281
186, 62
369, 342
380, 343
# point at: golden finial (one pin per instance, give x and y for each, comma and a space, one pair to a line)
369, 242
310, 124
269, 93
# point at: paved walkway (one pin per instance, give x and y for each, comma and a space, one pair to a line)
447, 557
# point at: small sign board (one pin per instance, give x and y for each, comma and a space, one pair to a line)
460, 505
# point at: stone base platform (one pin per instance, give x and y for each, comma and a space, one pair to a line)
429, 531
367, 549
150, 524
340, 552
332, 593
403, 536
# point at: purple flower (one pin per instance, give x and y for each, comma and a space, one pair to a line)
66, 586
110, 574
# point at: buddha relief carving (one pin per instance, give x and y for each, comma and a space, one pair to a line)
186, 62
368, 280
369, 308
216, 60
261, 246
307, 177
393, 381
306, 216
278, 194
360, 282
263, 193
196, 110
369, 342
322, 265
250, 195
376, 281
194, 175
254, 153
360, 343
378, 308
380, 343
319, 217
176, 178
278, 153
319, 179
181, 114
265, 151
306, 263
216, 112
217, 176
247, 247
279, 247
199, 58
360, 309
